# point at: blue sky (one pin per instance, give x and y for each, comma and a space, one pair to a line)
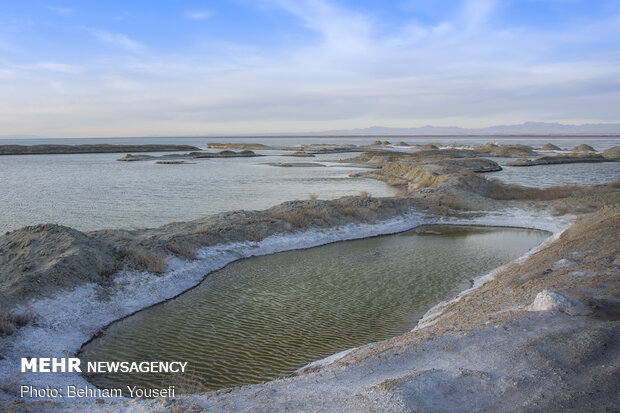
133, 68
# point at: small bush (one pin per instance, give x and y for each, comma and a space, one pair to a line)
298, 219
425, 182
358, 212
10, 321
303, 215
150, 262
364, 194
313, 196
182, 249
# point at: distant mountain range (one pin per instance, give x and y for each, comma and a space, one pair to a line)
523, 129
527, 128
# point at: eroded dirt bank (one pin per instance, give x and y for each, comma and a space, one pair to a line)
486, 350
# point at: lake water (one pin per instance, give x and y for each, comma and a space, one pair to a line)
264, 317
93, 191
543, 176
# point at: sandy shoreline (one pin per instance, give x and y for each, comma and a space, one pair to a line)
429, 368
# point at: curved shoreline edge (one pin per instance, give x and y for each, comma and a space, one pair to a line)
71, 318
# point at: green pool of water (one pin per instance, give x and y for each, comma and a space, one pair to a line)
264, 317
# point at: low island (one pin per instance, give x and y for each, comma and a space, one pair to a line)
90, 148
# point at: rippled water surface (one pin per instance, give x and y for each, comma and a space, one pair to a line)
264, 317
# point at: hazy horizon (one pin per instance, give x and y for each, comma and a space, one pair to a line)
69, 69
527, 129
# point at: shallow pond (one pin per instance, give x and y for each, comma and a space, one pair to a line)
264, 317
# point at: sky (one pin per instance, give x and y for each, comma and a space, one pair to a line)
138, 68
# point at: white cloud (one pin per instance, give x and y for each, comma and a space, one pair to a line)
118, 40
61, 11
198, 15
342, 30
56, 67
477, 12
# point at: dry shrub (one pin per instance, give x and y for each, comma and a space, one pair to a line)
182, 249
296, 218
315, 212
10, 321
313, 196
357, 212
350, 211
425, 182
353, 175
304, 215
149, 261
365, 215
364, 194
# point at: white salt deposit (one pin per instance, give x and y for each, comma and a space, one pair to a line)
548, 300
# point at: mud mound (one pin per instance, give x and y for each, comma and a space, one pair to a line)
39, 258
424, 174
583, 148
555, 160
430, 146
509, 151
382, 157
612, 153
